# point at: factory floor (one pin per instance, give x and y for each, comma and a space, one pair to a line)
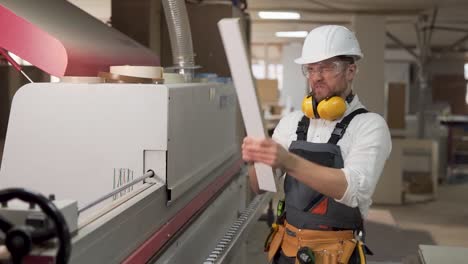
394, 232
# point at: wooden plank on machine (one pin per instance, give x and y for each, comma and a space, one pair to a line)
236, 53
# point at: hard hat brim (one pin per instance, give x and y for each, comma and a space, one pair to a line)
302, 60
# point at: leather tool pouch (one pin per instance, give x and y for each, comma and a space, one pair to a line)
348, 249
276, 243
331, 252
326, 250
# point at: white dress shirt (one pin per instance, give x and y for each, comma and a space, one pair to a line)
365, 147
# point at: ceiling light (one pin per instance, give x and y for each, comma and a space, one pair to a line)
291, 34
278, 15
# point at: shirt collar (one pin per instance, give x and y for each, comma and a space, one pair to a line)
355, 104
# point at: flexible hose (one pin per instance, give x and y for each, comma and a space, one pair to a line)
180, 35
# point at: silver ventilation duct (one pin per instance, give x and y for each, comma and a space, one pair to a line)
181, 37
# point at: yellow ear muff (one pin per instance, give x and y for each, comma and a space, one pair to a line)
332, 108
308, 106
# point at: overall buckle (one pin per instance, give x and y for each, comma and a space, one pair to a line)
339, 129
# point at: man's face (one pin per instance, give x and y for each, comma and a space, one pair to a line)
329, 77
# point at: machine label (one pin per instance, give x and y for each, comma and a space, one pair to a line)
121, 177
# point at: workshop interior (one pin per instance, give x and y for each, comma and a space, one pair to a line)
121, 127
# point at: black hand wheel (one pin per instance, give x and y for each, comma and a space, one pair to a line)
19, 239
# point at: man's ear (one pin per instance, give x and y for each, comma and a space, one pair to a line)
351, 72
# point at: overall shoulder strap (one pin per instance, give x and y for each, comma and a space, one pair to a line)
302, 128
340, 127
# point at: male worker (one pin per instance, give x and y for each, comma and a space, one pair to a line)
337, 150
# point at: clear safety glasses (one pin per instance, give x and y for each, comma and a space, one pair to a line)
331, 68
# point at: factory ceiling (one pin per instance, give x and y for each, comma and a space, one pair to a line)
441, 25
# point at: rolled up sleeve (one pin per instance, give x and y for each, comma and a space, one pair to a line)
282, 132
365, 161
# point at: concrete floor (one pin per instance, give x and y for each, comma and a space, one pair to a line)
394, 232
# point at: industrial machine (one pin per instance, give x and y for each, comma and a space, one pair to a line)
117, 172
140, 172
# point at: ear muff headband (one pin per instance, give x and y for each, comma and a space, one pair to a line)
314, 104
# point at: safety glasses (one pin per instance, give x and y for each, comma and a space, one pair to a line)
331, 68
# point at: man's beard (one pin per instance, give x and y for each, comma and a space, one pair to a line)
318, 98
337, 92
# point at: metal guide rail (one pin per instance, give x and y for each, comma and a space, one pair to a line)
149, 174
237, 232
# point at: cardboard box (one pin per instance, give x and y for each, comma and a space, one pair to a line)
267, 91
396, 98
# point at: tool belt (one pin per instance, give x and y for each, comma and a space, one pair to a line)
329, 247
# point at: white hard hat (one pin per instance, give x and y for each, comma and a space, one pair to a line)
325, 42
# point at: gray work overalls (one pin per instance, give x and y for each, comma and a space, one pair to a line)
302, 202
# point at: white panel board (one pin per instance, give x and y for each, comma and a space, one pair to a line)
201, 133
80, 141
243, 81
